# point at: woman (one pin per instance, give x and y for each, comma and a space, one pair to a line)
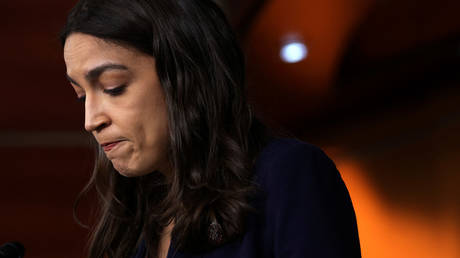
183, 167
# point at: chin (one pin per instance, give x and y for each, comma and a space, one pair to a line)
124, 171
129, 172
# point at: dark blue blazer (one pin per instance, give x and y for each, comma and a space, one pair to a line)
306, 210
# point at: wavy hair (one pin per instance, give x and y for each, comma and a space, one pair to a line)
213, 133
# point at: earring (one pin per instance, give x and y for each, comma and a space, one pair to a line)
215, 233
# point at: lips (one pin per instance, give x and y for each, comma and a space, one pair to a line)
109, 145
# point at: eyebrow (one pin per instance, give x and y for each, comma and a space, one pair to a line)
97, 71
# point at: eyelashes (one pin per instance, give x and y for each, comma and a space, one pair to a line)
116, 91
112, 92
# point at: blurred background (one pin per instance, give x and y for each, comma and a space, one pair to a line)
376, 84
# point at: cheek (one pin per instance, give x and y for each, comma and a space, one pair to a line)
148, 136
153, 128
130, 119
144, 121
154, 141
154, 133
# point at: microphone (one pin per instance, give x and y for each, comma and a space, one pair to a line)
12, 250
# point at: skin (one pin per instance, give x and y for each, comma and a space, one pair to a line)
138, 115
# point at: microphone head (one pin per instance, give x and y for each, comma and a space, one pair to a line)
12, 250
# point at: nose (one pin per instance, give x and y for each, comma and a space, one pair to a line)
95, 116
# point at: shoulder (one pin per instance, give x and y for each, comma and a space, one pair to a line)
306, 201
287, 160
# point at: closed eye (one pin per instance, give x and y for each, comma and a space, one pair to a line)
116, 91
113, 92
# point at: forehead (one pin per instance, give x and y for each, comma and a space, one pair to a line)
82, 52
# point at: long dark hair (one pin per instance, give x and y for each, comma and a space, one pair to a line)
214, 135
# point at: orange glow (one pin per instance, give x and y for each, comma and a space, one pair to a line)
386, 231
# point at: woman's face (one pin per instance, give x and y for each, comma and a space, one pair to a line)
124, 103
